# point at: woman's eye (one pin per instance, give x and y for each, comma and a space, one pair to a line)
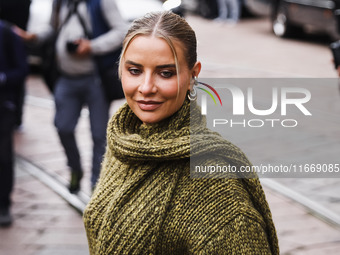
166, 74
134, 71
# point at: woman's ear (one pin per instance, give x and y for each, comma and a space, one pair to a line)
195, 71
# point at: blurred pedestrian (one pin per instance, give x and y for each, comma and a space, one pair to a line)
17, 13
79, 83
13, 70
146, 201
335, 49
229, 11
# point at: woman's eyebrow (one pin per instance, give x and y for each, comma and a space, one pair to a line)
166, 66
130, 62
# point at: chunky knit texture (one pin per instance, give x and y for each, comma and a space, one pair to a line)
146, 202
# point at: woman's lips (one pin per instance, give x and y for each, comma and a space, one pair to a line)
148, 105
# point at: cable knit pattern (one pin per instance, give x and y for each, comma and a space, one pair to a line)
146, 202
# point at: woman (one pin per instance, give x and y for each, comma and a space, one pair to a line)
145, 201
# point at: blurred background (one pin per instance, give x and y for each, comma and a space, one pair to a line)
314, 21
273, 39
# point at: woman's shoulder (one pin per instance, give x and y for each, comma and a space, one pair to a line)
212, 151
221, 198
218, 213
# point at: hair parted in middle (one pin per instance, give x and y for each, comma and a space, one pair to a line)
168, 26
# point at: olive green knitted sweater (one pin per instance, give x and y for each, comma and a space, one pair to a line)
146, 202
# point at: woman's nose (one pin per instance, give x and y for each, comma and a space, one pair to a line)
147, 85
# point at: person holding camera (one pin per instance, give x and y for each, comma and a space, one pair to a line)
79, 82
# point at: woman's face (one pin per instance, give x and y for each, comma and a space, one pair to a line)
150, 80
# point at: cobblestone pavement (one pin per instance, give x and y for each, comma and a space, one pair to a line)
44, 223
324, 191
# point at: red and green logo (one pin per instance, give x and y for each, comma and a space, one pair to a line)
209, 93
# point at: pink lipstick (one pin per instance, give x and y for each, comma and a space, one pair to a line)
148, 105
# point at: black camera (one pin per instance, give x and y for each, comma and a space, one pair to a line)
71, 46
335, 48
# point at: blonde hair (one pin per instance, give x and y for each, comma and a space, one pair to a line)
168, 26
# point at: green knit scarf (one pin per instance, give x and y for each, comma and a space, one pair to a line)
139, 175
